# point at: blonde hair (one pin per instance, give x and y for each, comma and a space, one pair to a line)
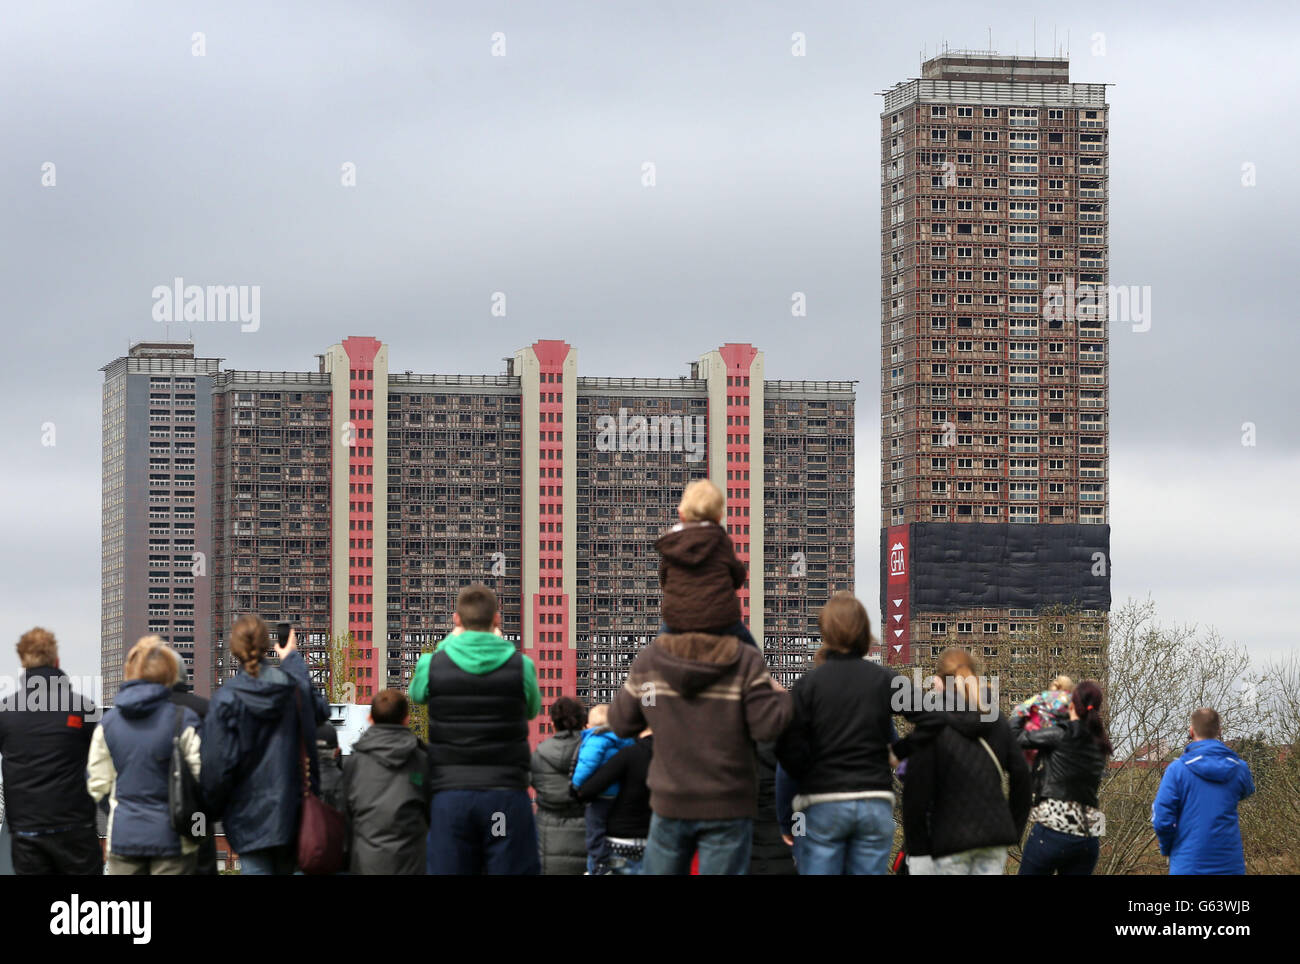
1063, 683
249, 641
598, 715
955, 662
701, 500
151, 660
37, 647
959, 665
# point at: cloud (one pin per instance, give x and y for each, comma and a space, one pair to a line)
521, 174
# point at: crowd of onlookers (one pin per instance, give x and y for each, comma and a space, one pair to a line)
703, 762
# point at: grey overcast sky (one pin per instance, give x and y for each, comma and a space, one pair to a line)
522, 174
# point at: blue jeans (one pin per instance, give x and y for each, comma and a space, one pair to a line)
840, 837
626, 866
1050, 851
723, 846
737, 629
482, 832
264, 863
597, 848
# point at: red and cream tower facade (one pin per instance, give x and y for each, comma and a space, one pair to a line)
547, 486
358, 373
547, 373
734, 374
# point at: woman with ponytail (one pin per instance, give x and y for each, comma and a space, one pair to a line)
1071, 760
251, 749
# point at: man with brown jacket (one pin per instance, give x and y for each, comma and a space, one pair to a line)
708, 699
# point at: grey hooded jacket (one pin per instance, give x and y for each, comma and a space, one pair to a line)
386, 795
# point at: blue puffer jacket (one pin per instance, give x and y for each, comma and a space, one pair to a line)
599, 745
251, 774
138, 732
1195, 811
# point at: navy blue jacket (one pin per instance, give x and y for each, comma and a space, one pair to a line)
251, 772
1195, 810
138, 732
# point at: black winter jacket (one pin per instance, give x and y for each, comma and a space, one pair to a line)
206, 865
629, 815
1069, 765
769, 855
839, 738
386, 792
45, 731
331, 777
952, 794
478, 725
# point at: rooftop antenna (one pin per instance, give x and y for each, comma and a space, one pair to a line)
990, 39
1035, 36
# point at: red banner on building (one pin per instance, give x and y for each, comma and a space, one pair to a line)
896, 634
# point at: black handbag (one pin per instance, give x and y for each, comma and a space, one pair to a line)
183, 790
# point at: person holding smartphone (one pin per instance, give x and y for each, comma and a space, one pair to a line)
251, 773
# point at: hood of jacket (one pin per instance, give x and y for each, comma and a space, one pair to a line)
1212, 760
267, 695
558, 752
691, 662
971, 724
139, 698
477, 652
390, 743
688, 544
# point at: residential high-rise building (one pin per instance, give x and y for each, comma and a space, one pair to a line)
994, 320
156, 498
355, 502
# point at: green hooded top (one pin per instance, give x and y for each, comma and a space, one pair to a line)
477, 653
